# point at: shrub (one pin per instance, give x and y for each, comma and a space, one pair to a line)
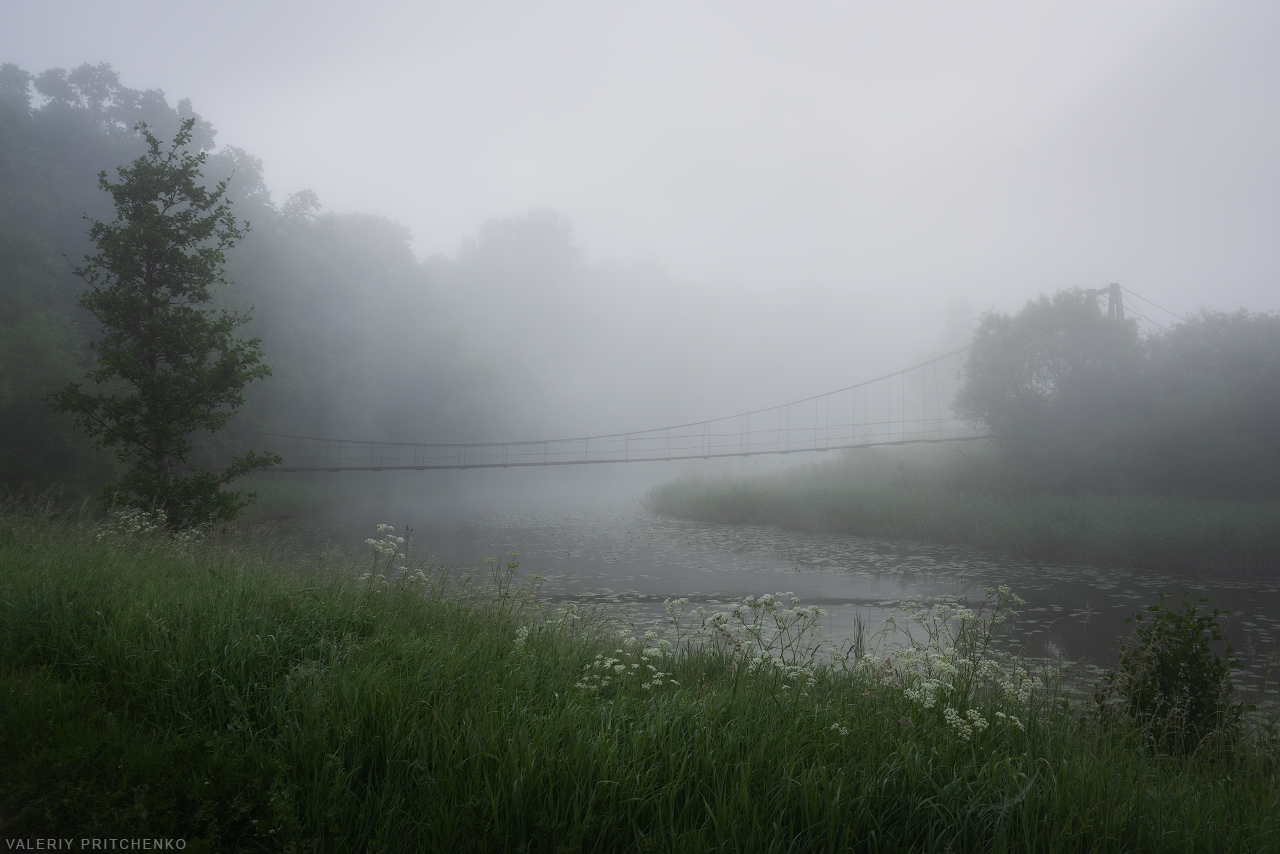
1172, 681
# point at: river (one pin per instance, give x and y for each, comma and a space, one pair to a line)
608, 550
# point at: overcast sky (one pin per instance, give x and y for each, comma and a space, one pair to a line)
900, 153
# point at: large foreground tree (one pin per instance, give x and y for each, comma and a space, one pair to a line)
170, 365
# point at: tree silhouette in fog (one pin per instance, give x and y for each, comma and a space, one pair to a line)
170, 365
1078, 400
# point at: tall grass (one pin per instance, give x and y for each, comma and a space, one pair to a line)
940, 496
159, 686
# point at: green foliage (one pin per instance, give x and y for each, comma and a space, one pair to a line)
1210, 406
1081, 401
1048, 383
39, 350
1058, 356
152, 687
1172, 681
178, 366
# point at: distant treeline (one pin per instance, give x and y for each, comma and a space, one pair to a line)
349, 319
1082, 401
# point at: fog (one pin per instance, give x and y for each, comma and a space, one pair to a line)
756, 204
773, 327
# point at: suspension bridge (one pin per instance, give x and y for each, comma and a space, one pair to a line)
910, 406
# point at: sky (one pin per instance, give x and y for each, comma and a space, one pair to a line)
879, 159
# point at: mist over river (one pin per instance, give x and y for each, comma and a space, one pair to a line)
605, 548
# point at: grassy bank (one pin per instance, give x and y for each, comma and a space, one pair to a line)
945, 496
151, 686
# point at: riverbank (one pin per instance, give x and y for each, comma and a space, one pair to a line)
947, 496
159, 686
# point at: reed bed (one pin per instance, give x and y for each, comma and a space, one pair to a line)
208, 689
928, 497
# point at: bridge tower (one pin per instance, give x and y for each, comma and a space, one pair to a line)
1115, 299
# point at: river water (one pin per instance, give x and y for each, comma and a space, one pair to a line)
610, 551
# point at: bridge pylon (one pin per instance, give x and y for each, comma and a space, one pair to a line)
1115, 299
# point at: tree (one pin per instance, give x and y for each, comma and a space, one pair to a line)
39, 350
1079, 400
171, 365
1056, 384
1212, 405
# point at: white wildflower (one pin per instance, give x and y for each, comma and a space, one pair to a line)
962, 727
976, 719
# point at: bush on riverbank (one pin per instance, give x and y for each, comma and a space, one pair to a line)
964, 498
160, 686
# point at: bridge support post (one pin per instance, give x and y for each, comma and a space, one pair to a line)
1115, 299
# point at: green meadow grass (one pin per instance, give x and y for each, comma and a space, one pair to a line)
205, 690
927, 497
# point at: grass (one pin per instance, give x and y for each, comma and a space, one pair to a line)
153, 686
943, 496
